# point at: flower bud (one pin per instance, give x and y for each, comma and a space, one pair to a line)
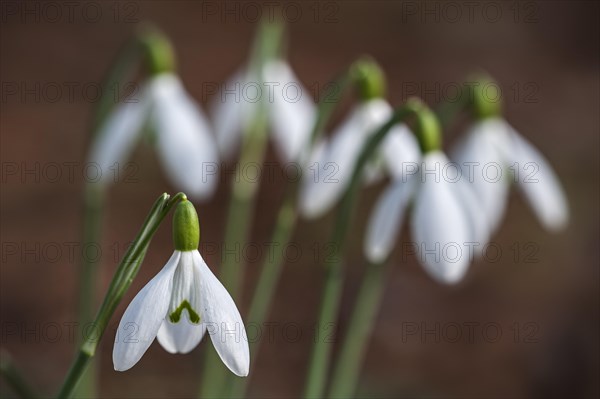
369, 79
186, 229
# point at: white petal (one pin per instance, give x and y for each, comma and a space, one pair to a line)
180, 337
539, 183
231, 112
117, 136
386, 219
185, 143
401, 151
143, 317
439, 226
479, 231
183, 335
330, 174
479, 156
291, 111
223, 320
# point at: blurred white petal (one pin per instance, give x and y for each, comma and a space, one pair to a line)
224, 323
117, 136
479, 156
439, 225
479, 231
386, 219
185, 143
142, 319
401, 151
291, 111
330, 173
539, 183
231, 112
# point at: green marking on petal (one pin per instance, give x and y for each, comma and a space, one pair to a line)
176, 315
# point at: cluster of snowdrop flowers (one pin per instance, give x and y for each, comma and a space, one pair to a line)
182, 133
453, 219
180, 304
331, 163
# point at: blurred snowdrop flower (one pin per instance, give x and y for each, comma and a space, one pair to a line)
442, 223
492, 154
331, 164
290, 109
183, 136
180, 304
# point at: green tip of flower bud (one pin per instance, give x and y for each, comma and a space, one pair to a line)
486, 99
427, 127
186, 229
160, 56
369, 78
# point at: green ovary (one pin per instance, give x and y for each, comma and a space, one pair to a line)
176, 315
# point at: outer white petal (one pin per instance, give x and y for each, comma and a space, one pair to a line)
479, 156
479, 231
332, 172
180, 337
143, 317
230, 112
116, 138
386, 219
439, 226
291, 111
539, 183
223, 320
401, 151
185, 143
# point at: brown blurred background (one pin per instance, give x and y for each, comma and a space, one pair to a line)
541, 296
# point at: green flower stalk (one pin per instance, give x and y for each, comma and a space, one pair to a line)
284, 228
334, 273
243, 195
124, 275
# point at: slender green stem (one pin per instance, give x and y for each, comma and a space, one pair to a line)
347, 368
94, 197
332, 289
121, 281
282, 233
242, 205
14, 378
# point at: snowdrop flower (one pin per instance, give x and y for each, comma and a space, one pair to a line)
331, 163
181, 303
290, 109
442, 224
183, 136
492, 154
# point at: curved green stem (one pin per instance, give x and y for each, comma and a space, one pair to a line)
121, 281
332, 290
347, 368
282, 233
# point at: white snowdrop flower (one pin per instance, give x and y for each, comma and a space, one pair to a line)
332, 162
184, 141
289, 106
440, 222
182, 302
492, 155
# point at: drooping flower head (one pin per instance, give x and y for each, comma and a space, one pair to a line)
180, 304
183, 136
442, 223
330, 166
493, 154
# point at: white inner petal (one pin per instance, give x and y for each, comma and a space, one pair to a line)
185, 297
